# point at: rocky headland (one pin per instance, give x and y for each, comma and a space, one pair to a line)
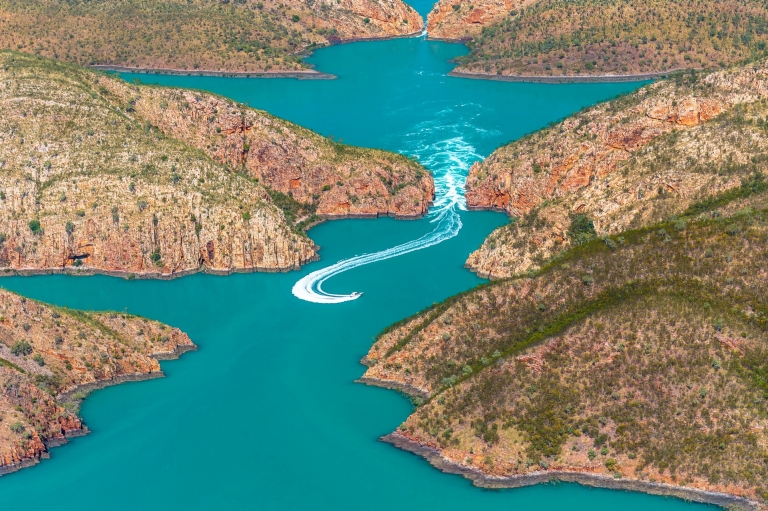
52, 357
636, 361
615, 40
198, 36
622, 164
102, 176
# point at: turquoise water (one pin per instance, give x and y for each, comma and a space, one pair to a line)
266, 415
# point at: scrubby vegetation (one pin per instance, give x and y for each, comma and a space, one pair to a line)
640, 355
187, 35
102, 175
235, 36
623, 164
596, 37
630, 335
50, 357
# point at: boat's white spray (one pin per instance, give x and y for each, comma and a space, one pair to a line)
449, 161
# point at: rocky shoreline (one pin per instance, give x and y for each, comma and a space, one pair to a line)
71, 399
480, 479
86, 272
370, 39
405, 388
566, 79
309, 74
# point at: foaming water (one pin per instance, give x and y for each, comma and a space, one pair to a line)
449, 160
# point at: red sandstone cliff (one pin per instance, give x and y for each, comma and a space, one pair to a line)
623, 163
461, 20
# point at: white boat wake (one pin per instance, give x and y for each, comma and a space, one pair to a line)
449, 160
310, 287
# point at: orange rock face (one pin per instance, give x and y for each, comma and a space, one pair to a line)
609, 163
339, 180
592, 145
49, 354
461, 19
385, 18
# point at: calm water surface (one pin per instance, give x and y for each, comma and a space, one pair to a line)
266, 415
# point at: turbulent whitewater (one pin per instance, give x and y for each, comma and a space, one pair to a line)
449, 160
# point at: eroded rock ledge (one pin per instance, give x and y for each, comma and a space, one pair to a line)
52, 357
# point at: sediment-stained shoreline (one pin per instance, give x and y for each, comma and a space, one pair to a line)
480, 479
309, 74
567, 79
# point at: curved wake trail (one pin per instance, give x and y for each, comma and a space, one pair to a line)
449, 160
310, 288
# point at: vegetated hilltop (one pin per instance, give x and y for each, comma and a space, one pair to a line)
596, 37
196, 35
623, 164
98, 175
626, 362
51, 357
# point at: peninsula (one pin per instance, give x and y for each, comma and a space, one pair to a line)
198, 36
52, 357
107, 177
617, 39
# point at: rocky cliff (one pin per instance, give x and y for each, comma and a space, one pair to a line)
51, 357
102, 176
335, 179
553, 38
197, 35
636, 361
460, 21
622, 164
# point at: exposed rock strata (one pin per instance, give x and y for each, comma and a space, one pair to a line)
103, 176
338, 180
206, 36
51, 357
624, 164
458, 21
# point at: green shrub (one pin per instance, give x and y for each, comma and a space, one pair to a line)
34, 226
21, 348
